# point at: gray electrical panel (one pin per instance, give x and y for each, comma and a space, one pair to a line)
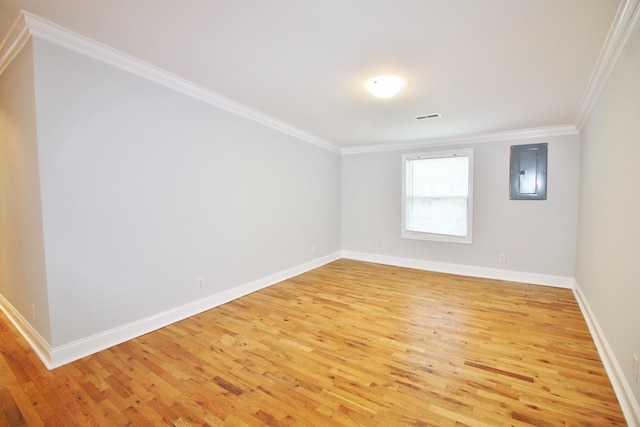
528, 174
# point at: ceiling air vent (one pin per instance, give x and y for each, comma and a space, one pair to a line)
428, 116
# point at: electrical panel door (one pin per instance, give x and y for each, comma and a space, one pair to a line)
528, 174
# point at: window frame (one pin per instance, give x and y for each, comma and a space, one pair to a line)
419, 235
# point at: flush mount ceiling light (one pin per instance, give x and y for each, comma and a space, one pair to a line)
384, 86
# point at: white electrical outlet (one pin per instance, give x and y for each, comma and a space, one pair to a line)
502, 258
634, 373
33, 311
313, 249
200, 283
385, 246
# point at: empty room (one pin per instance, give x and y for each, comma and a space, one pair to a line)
336, 213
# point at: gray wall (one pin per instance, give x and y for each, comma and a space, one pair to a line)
144, 190
133, 191
22, 267
608, 227
536, 236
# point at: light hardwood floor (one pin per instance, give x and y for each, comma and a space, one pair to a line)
348, 344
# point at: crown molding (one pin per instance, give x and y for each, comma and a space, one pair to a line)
29, 25
13, 42
542, 132
624, 24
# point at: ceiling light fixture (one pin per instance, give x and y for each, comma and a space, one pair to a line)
384, 86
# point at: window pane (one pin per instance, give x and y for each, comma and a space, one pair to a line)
437, 195
439, 215
438, 177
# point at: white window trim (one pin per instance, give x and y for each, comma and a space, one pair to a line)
406, 234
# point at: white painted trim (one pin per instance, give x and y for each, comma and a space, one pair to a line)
28, 332
67, 353
628, 403
624, 24
407, 193
28, 24
61, 355
13, 42
543, 132
464, 270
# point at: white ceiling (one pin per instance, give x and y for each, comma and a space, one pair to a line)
484, 65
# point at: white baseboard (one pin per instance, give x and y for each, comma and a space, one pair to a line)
28, 332
61, 355
627, 400
464, 270
628, 403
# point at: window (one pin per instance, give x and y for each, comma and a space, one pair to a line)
437, 196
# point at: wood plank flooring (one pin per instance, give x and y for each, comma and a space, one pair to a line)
348, 344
